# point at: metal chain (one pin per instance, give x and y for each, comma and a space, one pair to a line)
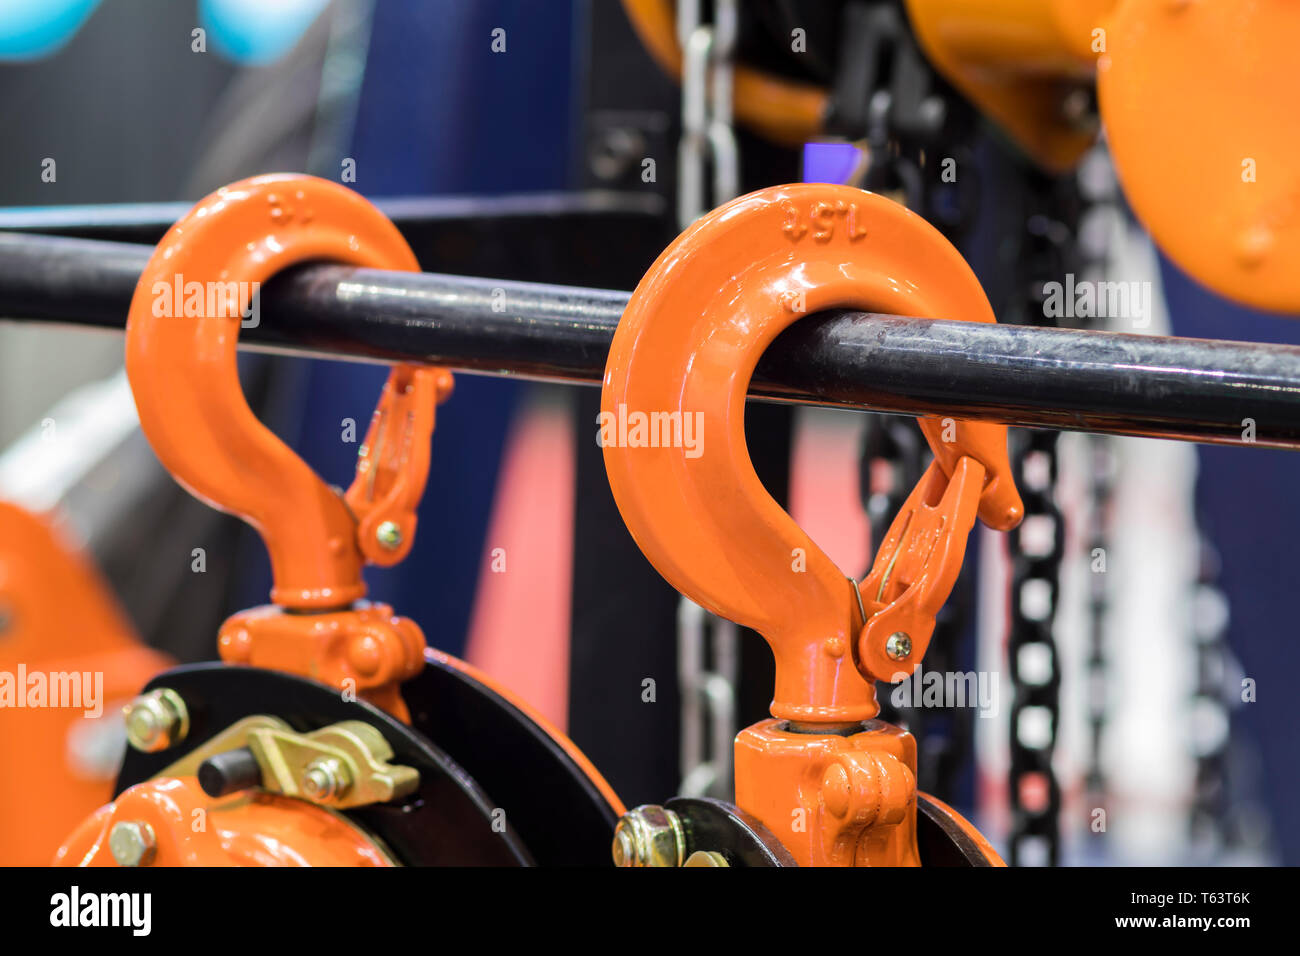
1209, 810
1098, 224
1035, 793
1208, 819
708, 666
1037, 546
708, 647
708, 137
1101, 479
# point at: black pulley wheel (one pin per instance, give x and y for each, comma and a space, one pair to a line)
717, 826
943, 841
550, 799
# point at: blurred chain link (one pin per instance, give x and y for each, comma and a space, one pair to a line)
708, 663
708, 649
1099, 225
708, 136
1049, 251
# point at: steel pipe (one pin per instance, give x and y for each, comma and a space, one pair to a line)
1189, 389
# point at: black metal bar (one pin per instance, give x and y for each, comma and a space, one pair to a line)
147, 221
591, 237
1189, 389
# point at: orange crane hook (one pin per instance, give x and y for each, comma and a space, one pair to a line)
687, 346
182, 332
683, 354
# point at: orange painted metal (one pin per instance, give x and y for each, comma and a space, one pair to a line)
1199, 102
182, 334
367, 648
916, 567
687, 345
1179, 124
784, 110
192, 408
1015, 59
832, 800
393, 464
1221, 129
60, 624
252, 828
1018, 61
684, 353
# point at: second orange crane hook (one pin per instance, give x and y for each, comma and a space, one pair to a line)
834, 786
197, 290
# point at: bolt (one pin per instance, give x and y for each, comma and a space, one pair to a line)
899, 646
389, 535
132, 843
324, 779
156, 720
649, 836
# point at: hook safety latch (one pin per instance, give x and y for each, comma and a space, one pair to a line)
393, 462
915, 569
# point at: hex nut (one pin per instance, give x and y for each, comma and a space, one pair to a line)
132, 843
156, 720
649, 835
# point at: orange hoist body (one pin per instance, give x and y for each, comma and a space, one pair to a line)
1196, 99
1199, 104
188, 828
69, 660
1023, 63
